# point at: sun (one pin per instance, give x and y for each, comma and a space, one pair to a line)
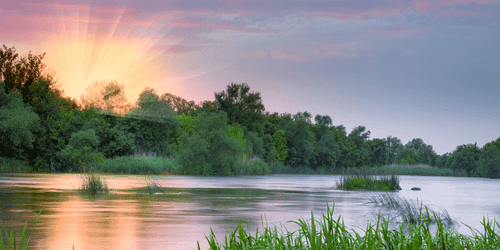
80, 52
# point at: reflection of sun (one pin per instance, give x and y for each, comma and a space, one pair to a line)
81, 54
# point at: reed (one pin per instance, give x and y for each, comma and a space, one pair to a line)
365, 179
93, 184
11, 239
330, 233
152, 186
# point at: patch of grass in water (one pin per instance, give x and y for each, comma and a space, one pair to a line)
93, 184
152, 186
365, 179
330, 233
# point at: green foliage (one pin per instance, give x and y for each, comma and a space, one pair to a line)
11, 239
80, 151
257, 167
395, 149
326, 232
327, 151
10, 165
17, 126
489, 161
465, 159
138, 165
410, 157
93, 184
357, 148
280, 144
300, 141
210, 150
364, 180
153, 123
241, 105
424, 153
180, 105
378, 152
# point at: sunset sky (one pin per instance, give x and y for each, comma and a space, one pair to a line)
425, 69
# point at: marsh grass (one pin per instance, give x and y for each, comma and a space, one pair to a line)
93, 184
418, 169
410, 212
330, 233
139, 164
152, 186
11, 239
365, 179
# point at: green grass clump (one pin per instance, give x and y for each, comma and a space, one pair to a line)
11, 239
139, 165
330, 233
363, 179
93, 184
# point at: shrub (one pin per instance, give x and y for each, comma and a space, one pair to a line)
93, 184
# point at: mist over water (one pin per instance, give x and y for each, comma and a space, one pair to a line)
128, 218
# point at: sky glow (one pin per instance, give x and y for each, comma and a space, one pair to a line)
410, 69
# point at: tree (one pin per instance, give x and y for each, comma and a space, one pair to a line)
327, 151
280, 145
489, 161
179, 104
425, 153
378, 152
241, 105
357, 148
106, 95
153, 123
210, 151
300, 142
410, 157
465, 159
394, 149
80, 151
18, 124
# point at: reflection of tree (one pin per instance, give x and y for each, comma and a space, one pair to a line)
106, 95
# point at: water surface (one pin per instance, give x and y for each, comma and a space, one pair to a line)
127, 218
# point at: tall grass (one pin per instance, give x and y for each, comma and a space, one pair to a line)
364, 179
409, 212
139, 165
11, 239
330, 233
93, 184
418, 169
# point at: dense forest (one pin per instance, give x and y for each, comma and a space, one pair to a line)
43, 129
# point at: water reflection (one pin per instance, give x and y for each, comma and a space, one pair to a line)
127, 218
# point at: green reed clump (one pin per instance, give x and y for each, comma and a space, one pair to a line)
11, 239
364, 179
152, 186
93, 184
330, 233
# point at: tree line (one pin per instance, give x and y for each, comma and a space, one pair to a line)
52, 132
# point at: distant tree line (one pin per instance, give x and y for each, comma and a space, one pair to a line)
56, 133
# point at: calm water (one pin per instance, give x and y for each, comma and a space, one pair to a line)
128, 219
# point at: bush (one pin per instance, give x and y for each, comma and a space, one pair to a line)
138, 165
9, 164
257, 167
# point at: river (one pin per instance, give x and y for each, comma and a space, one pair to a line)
129, 219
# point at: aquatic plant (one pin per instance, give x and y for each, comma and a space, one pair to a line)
152, 186
364, 179
330, 233
11, 239
409, 212
93, 184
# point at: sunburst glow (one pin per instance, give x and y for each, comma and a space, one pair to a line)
84, 49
